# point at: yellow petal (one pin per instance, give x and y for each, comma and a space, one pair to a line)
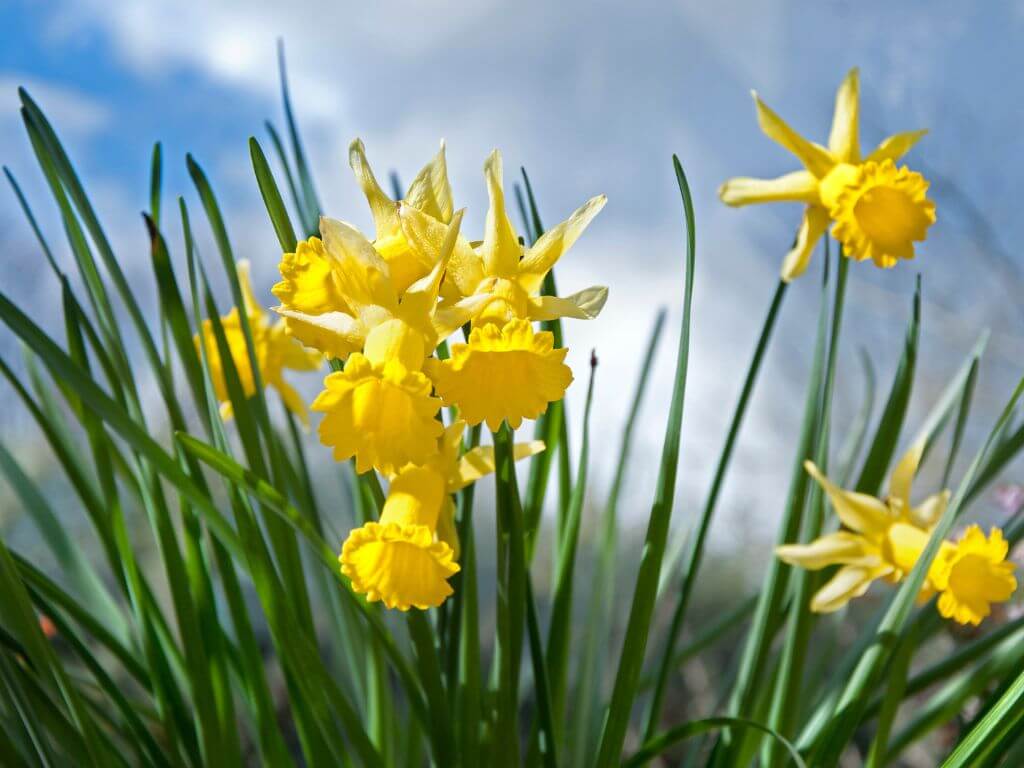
479, 462
799, 186
333, 333
382, 207
583, 305
927, 513
849, 582
840, 548
500, 250
973, 575
420, 300
503, 373
430, 191
541, 257
450, 317
896, 146
362, 276
903, 475
844, 140
426, 235
812, 227
815, 157
858, 511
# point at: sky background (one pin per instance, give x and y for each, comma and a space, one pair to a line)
590, 97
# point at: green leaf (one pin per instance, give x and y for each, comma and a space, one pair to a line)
695, 550
272, 198
627, 679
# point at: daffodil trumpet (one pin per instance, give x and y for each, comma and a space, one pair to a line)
878, 209
406, 558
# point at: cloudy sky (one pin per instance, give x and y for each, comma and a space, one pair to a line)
590, 97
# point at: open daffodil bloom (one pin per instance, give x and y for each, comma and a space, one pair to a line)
406, 558
506, 371
885, 539
275, 351
882, 538
973, 574
879, 210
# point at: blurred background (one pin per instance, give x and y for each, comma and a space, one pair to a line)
589, 97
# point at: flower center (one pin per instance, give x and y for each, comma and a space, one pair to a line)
889, 216
904, 543
971, 579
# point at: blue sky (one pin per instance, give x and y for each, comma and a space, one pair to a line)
590, 97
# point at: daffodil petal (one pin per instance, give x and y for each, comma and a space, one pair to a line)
583, 305
812, 227
500, 250
927, 513
382, 207
479, 462
815, 157
799, 186
896, 146
903, 475
431, 191
426, 235
858, 511
840, 548
362, 275
849, 582
844, 140
333, 333
542, 256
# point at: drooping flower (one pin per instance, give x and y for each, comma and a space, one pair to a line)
972, 574
880, 210
881, 539
508, 372
275, 351
406, 558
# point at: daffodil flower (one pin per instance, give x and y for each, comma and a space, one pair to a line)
506, 371
973, 574
406, 558
879, 210
275, 352
882, 539
335, 291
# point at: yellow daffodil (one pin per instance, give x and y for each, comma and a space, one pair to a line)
881, 539
275, 352
406, 558
335, 291
879, 210
973, 574
507, 372
429, 193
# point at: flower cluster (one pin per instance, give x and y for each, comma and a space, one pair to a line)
878, 209
382, 308
884, 538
